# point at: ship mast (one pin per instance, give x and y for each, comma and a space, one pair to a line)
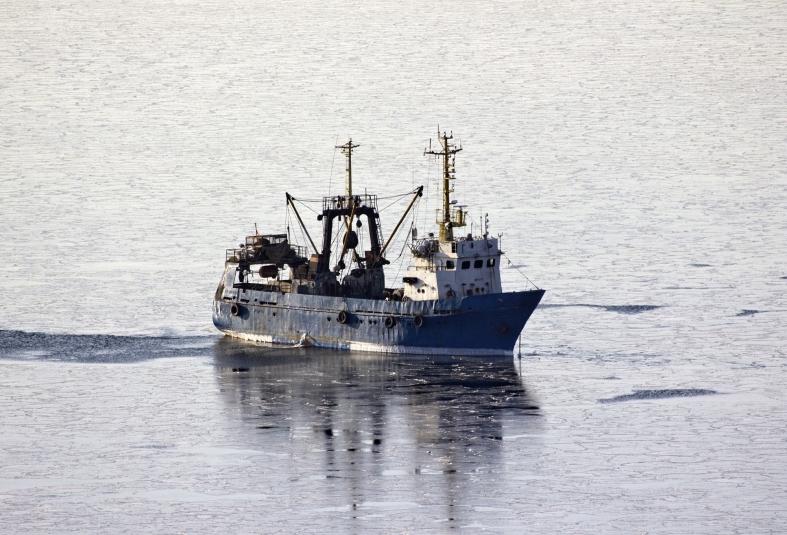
448, 153
347, 150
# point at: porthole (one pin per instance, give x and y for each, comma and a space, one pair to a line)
466, 264
478, 264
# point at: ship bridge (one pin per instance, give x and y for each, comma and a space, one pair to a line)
461, 267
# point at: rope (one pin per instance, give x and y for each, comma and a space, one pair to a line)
304, 201
520, 272
305, 205
398, 198
288, 220
413, 221
392, 196
404, 244
330, 179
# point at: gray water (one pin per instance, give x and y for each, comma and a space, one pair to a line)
631, 154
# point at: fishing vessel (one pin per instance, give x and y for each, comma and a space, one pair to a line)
449, 302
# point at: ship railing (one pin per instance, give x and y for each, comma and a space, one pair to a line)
431, 268
341, 202
259, 240
277, 287
424, 246
254, 281
456, 215
248, 254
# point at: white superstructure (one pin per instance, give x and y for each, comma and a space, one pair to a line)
462, 267
446, 266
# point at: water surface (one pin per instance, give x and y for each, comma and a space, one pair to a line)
631, 154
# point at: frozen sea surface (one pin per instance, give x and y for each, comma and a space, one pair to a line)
631, 154
250, 438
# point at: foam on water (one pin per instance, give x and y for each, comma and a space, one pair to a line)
640, 395
99, 348
621, 309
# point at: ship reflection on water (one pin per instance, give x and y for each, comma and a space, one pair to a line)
372, 427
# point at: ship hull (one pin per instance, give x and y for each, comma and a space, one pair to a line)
474, 325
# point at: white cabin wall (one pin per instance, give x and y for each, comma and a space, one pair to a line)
481, 280
424, 289
435, 281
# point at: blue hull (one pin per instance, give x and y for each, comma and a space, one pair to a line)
474, 325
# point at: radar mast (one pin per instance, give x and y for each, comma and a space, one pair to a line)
445, 220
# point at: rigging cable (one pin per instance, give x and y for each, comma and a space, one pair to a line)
305, 205
404, 242
356, 195
399, 269
303, 236
398, 198
428, 184
520, 271
330, 178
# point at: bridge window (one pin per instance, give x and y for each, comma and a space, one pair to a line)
466, 264
479, 263
490, 262
449, 264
